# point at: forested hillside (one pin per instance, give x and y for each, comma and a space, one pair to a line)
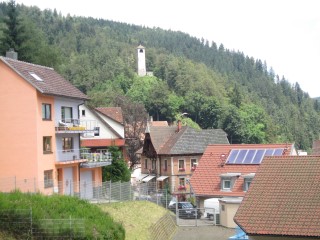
217, 87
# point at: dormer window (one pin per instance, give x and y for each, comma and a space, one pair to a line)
247, 181
226, 184
228, 180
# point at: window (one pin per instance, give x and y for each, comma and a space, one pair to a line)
193, 162
247, 182
67, 144
48, 178
46, 111
181, 165
83, 113
146, 163
182, 181
96, 131
153, 164
47, 145
165, 168
226, 184
66, 114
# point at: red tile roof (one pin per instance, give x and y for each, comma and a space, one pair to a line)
206, 180
102, 142
114, 113
284, 198
51, 82
159, 123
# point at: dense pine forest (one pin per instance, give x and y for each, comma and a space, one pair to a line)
217, 87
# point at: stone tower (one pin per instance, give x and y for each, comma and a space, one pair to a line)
142, 70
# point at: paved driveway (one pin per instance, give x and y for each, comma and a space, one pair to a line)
203, 233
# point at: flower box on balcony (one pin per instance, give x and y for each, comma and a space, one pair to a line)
181, 169
193, 168
181, 187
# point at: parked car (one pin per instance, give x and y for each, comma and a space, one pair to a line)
185, 210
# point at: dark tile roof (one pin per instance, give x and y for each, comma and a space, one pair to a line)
51, 82
192, 141
114, 113
206, 178
159, 135
284, 198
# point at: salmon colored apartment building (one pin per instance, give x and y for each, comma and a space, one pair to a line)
40, 140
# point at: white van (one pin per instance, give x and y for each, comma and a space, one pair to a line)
211, 208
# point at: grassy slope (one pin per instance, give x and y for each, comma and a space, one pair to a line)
136, 217
97, 222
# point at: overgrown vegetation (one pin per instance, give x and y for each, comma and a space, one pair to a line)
217, 87
97, 224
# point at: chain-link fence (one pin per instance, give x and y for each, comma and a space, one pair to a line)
20, 222
99, 192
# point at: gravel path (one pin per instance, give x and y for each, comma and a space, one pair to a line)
203, 233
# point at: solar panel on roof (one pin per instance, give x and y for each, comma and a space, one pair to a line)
278, 152
269, 152
232, 156
258, 157
241, 156
252, 156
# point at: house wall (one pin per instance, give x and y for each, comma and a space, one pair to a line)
177, 174
119, 128
105, 132
172, 170
63, 156
19, 146
227, 212
66, 102
45, 161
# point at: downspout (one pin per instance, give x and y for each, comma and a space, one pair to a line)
79, 141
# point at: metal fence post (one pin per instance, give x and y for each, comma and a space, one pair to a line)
110, 192
70, 225
120, 191
31, 221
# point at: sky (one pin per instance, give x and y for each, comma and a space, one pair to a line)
284, 33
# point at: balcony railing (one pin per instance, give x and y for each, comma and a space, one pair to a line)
97, 156
75, 125
84, 154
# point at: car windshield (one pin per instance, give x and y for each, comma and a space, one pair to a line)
186, 205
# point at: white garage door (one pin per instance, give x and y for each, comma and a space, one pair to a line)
68, 181
86, 186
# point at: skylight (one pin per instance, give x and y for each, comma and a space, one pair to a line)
35, 76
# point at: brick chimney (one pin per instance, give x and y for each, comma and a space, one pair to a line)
12, 54
179, 125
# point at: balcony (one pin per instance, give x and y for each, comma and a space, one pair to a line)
75, 126
84, 156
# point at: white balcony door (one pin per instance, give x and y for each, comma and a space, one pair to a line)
86, 186
68, 181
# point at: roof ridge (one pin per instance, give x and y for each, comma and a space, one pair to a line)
32, 64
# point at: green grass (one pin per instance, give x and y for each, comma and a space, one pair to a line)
98, 224
135, 216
